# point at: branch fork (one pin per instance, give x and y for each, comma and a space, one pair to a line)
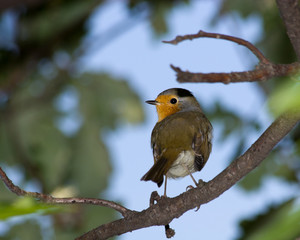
264, 70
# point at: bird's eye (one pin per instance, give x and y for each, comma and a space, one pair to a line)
173, 100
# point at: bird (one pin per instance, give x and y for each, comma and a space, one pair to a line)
181, 139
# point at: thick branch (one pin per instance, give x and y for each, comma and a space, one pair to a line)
167, 209
290, 13
52, 200
263, 71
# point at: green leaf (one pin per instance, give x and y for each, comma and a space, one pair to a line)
40, 27
106, 101
253, 180
6, 150
43, 144
278, 222
158, 18
28, 230
277, 165
74, 224
90, 162
23, 206
285, 98
286, 172
158, 12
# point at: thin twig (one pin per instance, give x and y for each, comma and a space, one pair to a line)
53, 200
263, 71
239, 41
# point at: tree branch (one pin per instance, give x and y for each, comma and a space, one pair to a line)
53, 200
167, 209
263, 71
290, 13
239, 41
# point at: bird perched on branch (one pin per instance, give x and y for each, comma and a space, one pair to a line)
181, 139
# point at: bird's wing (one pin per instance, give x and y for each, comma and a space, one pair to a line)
202, 143
167, 141
173, 135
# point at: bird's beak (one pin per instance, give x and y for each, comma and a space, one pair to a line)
152, 102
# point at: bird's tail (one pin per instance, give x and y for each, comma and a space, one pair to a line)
157, 172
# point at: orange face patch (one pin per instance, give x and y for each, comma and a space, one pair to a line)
164, 107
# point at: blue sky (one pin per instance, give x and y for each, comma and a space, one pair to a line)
144, 60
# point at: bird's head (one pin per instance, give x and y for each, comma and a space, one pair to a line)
174, 100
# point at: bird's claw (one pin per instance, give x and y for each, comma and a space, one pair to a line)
189, 187
200, 184
192, 187
198, 207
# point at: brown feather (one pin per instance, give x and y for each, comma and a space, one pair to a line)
157, 172
181, 131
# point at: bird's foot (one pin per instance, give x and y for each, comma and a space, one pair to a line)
154, 198
200, 184
192, 187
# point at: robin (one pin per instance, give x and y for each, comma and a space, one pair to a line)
181, 139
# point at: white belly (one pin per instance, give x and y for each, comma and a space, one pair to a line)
183, 165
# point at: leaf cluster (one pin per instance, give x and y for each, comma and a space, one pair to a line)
52, 117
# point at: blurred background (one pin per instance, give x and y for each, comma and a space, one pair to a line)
74, 76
